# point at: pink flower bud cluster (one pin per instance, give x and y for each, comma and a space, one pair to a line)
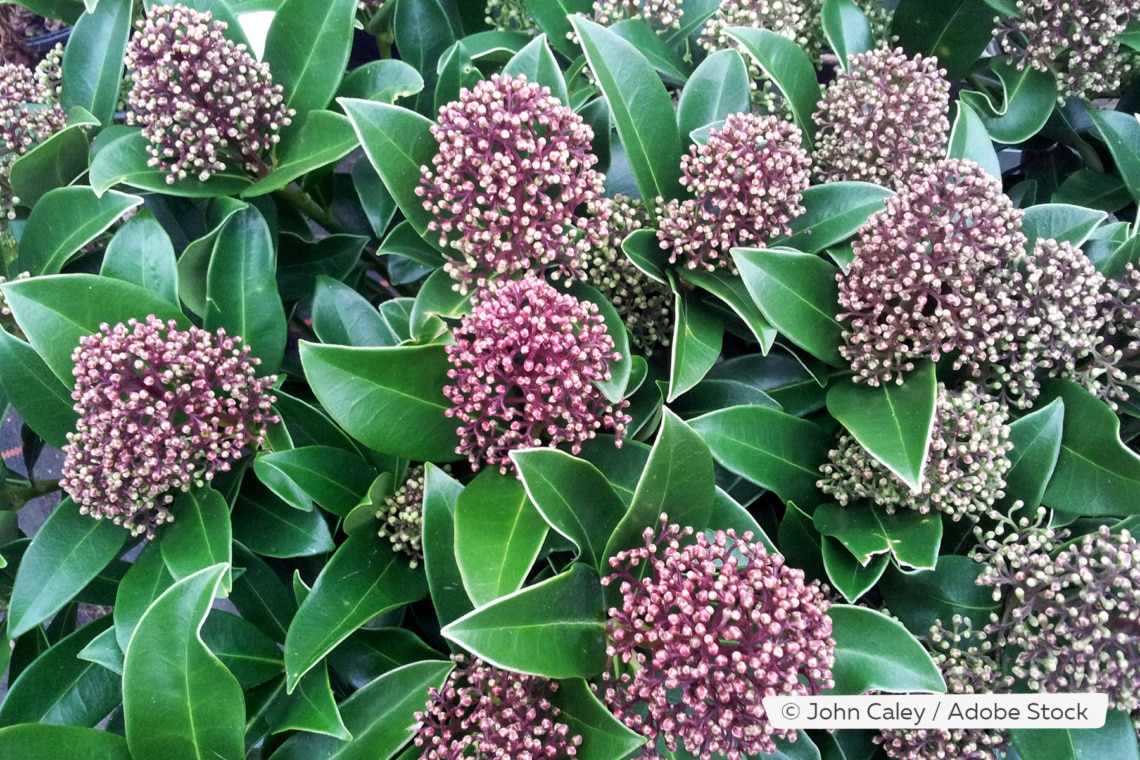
29, 114
205, 104
162, 410
486, 712
512, 184
525, 364
747, 183
705, 631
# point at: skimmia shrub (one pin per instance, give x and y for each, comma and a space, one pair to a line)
561, 378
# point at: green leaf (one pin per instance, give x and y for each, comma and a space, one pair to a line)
424, 33
323, 474
969, 139
397, 142
768, 447
537, 63
847, 30
894, 423
370, 653
1036, 440
66, 553
457, 72
323, 138
1116, 739
620, 370
572, 496
251, 656
384, 81
603, 736
498, 535
38, 395
307, 49
872, 651
697, 335
555, 628
446, 584
1096, 474
727, 513
272, 528
146, 579
1094, 190
1028, 98
1061, 222
141, 253
913, 538
93, 59
1121, 133
553, 17
312, 708
380, 717
124, 161
300, 263
56, 162
260, 596
241, 289
957, 31
200, 535
179, 700
833, 213
65, 220
791, 70
640, 106
731, 289
845, 572
60, 689
364, 578
717, 88
918, 599
341, 316
103, 650
667, 60
391, 399
798, 294
60, 743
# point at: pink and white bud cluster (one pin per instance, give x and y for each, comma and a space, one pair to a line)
747, 183
525, 363
512, 184
704, 633
485, 712
161, 410
204, 103
659, 14
29, 114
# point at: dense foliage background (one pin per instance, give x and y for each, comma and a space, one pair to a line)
540, 297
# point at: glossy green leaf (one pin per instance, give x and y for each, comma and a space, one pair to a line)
1062, 222
447, 594
252, 657
717, 88
424, 33
194, 263
913, 538
642, 248
1116, 739
1036, 440
179, 700
697, 336
307, 49
603, 736
572, 496
800, 543
1093, 190
61, 743
65, 220
894, 423
620, 370
380, 717
642, 111
969, 139
391, 399
833, 212
798, 294
322, 474
731, 289
845, 572
375, 200
364, 578
56, 162
957, 31
711, 394
260, 596
321, 139
728, 513
141, 253
308, 425
457, 72
103, 650
847, 30
93, 59
241, 290
397, 142
60, 689
124, 161
498, 535
146, 579
1121, 133
1096, 474
28, 383
789, 68
555, 628
553, 17
918, 599
199, 537
872, 651
384, 81
300, 263
1028, 98
370, 653
65, 554
341, 316
537, 63
768, 447
312, 708
272, 528
669, 62
780, 376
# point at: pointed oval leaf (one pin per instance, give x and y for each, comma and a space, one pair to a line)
448, 597
717, 88
912, 537
307, 48
252, 657
56, 162
603, 736
553, 17
141, 253
536, 62
66, 553
61, 743
179, 700
260, 596
323, 138
144, 582
93, 59
325, 475
730, 289
833, 212
697, 336
37, 394
1061, 222
872, 651
370, 653
312, 708
1116, 739
957, 31
845, 572
272, 528
1121, 133
555, 628
65, 220
200, 536
847, 30
894, 423
364, 578
341, 316
425, 33
124, 159
791, 70
384, 81
918, 599
668, 61
1028, 97
1036, 440
969, 139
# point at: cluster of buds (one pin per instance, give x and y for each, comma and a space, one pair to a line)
204, 102
704, 634
510, 16
644, 304
965, 470
969, 664
513, 171
161, 410
402, 517
486, 712
747, 183
525, 366
1078, 41
29, 114
883, 120
1072, 614
660, 14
